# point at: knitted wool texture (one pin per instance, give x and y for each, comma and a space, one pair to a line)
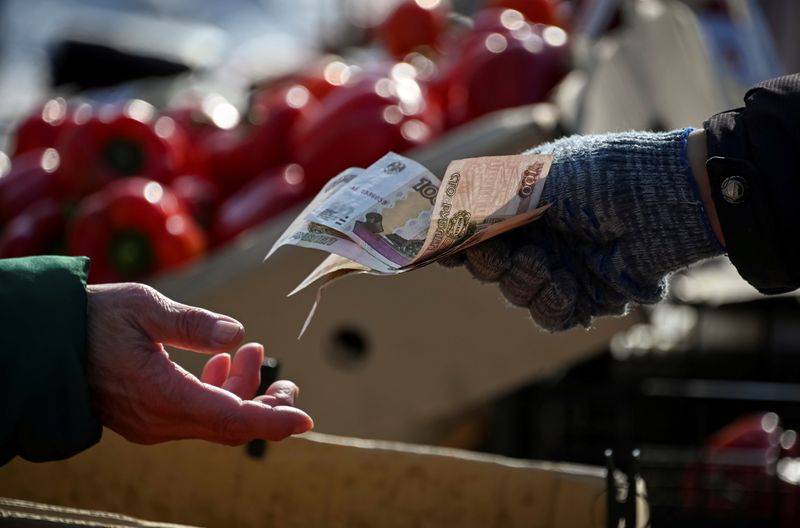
625, 213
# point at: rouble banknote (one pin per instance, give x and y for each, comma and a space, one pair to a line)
483, 197
396, 216
386, 209
305, 233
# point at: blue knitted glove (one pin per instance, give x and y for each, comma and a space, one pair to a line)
625, 213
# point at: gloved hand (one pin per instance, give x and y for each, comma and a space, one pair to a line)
626, 212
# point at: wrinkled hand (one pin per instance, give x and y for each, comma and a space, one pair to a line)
143, 395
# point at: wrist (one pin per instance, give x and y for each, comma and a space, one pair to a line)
697, 154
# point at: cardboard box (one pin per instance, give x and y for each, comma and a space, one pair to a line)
314, 481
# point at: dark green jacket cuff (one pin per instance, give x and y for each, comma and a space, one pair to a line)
46, 410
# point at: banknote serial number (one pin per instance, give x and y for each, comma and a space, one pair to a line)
530, 176
315, 238
370, 194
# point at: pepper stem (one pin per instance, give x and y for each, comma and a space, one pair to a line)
124, 156
131, 254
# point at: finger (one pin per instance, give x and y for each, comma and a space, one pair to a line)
454, 260
529, 273
203, 411
271, 422
187, 327
604, 298
228, 420
281, 392
216, 370
553, 307
587, 300
490, 260
245, 373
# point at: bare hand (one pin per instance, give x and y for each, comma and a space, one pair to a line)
140, 393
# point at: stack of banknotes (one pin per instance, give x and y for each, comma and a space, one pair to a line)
396, 216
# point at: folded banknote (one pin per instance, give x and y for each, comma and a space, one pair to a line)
396, 216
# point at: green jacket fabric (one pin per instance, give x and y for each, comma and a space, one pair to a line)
46, 411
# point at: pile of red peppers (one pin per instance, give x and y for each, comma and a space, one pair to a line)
142, 191
138, 191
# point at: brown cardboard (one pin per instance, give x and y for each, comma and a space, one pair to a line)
316, 481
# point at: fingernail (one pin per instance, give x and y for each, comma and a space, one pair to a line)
303, 427
287, 394
225, 332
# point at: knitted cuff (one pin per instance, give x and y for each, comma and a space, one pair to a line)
632, 200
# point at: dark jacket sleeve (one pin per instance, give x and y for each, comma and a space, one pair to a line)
754, 172
45, 412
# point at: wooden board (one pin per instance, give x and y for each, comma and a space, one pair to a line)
316, 481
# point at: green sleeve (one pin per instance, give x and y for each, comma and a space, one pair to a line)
44, 395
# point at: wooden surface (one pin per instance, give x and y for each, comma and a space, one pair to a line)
16, 513
316, 481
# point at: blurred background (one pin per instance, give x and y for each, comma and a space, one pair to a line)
232, 115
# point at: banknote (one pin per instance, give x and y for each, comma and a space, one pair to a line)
396, 216
304, 233
386, 209
483, 197
332, 269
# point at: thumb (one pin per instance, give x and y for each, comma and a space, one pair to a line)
187, 327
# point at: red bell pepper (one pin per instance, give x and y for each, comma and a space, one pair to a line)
360, 123
274, 115
43, 128
212, 115
33, 175
320, 78
201, 196
233, 157
37, 230
117, 143
536, 11
413, 25
198, 118
132, 228
228, 158
324, 77
269, 194
530, 60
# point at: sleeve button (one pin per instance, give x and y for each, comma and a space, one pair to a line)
734, 189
